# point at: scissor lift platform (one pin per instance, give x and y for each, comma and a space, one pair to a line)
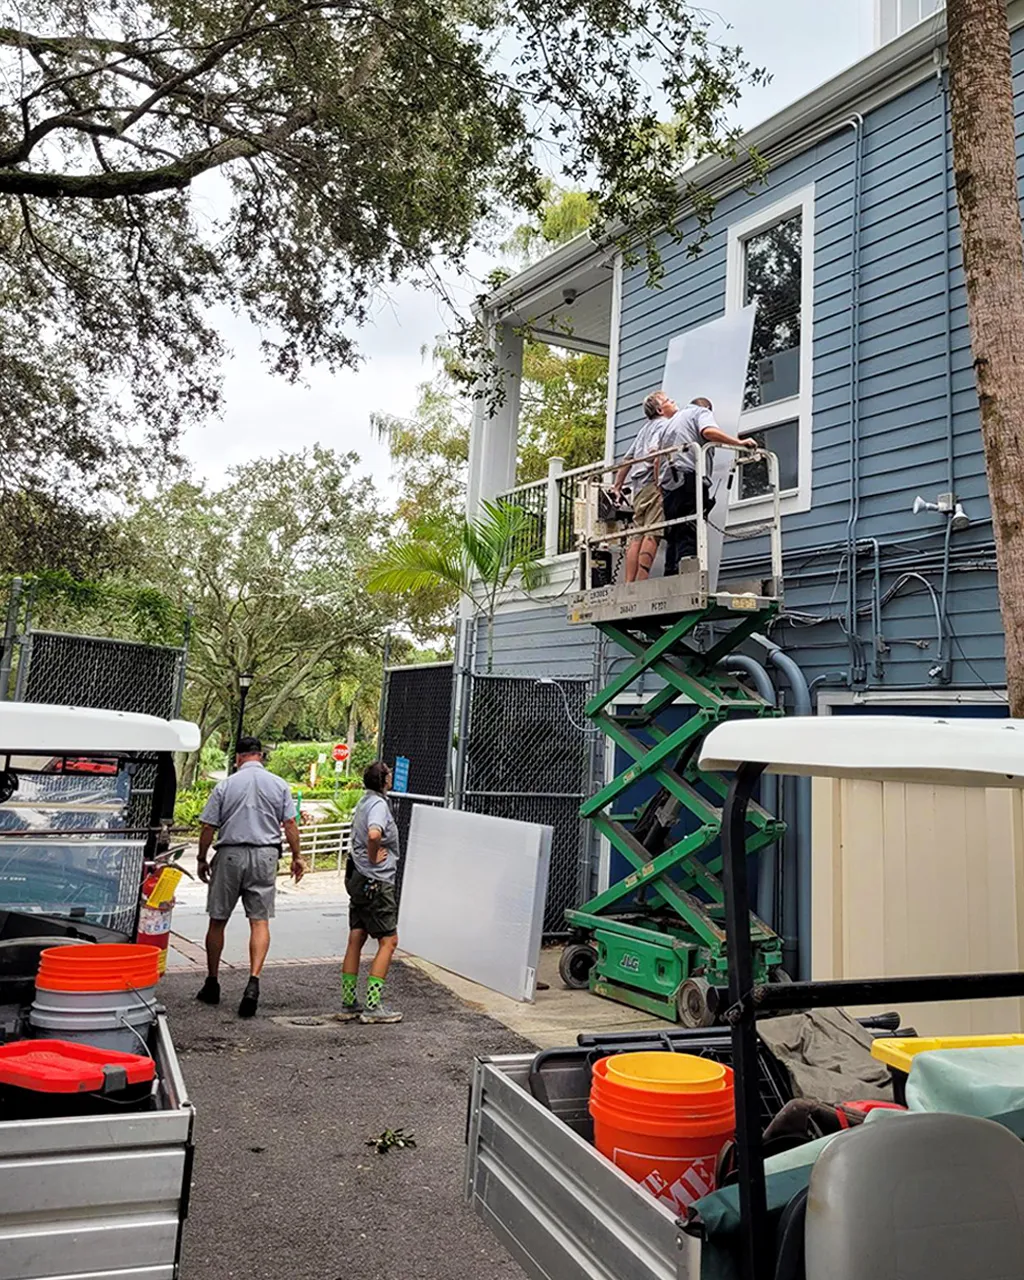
656, 939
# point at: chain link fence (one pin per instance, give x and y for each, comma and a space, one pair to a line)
91, 671
526, 758
417, 723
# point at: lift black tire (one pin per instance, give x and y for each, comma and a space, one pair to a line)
779, 975
575, 965
692, 1004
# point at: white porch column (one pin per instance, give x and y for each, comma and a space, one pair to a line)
495, 440
555, 468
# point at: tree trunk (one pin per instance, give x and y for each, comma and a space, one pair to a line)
353, 724
985, 171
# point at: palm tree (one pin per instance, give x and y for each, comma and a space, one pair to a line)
479, 558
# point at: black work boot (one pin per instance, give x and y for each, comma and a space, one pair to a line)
250, 999
209, 992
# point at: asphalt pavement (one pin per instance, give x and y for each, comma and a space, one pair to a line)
284, 1184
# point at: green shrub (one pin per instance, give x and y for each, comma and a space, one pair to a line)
341, 809
212, 759
190, 802
291, 760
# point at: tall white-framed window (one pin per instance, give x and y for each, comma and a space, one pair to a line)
771, 262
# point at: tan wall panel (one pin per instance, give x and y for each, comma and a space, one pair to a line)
916, 879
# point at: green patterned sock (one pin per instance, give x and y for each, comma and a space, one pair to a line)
374, 992
348, 988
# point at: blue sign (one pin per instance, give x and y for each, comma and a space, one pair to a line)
400, 780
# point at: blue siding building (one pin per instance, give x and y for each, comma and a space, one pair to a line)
868, 397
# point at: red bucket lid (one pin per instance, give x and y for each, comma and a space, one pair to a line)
59, 1066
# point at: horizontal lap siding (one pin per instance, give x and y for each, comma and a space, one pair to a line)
538, 642
913, 376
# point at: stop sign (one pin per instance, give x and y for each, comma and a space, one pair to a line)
341, 751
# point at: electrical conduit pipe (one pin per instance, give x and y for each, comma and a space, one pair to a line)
797, 681
762, 682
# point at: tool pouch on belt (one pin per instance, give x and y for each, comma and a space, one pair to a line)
361, 889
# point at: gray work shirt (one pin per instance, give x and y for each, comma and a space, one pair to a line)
685, 429
249, 807
374, 811
648, 440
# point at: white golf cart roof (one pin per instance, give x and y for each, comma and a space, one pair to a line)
964, 753
31, 728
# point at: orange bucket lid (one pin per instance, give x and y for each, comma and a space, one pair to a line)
106, 966
667, 1072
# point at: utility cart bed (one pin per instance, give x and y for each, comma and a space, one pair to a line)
94, 1195
561, 1209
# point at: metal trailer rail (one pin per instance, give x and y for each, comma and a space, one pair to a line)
561, 1209
105, 1195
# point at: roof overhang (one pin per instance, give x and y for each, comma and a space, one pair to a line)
881, 76
29, 727
957, 753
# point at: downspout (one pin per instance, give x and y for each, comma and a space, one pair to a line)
857, 672
800, 689
945, 662
766, 877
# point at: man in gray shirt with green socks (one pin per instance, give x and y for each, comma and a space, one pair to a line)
373, 907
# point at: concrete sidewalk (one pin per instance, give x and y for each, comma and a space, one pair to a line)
311, 923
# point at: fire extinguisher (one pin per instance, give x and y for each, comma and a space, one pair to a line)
158, 890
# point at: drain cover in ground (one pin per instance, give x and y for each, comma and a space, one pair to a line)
302, 1022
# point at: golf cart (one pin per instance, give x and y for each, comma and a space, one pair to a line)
89, 1184
926, 1195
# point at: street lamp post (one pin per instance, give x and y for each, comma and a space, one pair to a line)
244, 681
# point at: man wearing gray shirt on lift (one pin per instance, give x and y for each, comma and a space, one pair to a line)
688, 429
247, 812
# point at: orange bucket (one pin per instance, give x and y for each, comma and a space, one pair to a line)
106, 966
662, 1133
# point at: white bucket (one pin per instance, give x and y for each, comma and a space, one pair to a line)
107, 1019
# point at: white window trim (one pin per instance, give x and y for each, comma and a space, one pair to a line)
753, 510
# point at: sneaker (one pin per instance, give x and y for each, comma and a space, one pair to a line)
348, 1013
209, 992
250, 999
381, 1014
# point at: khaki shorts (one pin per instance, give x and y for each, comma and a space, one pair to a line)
243, 871
648, 508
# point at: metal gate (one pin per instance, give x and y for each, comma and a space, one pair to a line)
416, 722
525, 757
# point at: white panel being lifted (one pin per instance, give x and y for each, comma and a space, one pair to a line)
473, 896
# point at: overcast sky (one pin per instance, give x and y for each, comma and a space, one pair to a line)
800, 42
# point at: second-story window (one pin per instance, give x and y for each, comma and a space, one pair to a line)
770, 265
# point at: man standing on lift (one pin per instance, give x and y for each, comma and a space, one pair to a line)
642, 471
690, 427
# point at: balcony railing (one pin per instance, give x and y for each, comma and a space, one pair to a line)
533, 499
552, 505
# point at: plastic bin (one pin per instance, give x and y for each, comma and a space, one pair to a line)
899, 1054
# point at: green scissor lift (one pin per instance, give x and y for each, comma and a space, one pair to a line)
656, 939
658, 935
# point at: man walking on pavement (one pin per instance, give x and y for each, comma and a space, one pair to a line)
247, 812
691, 426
